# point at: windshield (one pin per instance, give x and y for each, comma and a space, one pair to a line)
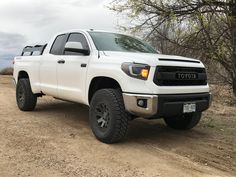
118, 42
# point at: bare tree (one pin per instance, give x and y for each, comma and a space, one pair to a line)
204, 28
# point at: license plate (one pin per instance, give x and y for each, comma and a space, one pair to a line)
189, 107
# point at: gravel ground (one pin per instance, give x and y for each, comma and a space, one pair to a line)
56, 140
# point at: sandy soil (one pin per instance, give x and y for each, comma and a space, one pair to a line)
56, 140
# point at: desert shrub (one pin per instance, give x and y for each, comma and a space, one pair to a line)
7, 71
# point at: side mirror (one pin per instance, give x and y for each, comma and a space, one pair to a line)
76, 47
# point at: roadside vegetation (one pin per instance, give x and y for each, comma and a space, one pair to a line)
7, 71
203, 29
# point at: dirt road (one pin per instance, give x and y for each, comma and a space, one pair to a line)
56, 140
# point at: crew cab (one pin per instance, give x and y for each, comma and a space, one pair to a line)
118, 76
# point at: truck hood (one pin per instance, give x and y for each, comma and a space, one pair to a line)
152, 59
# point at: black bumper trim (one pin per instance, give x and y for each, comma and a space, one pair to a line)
172, 105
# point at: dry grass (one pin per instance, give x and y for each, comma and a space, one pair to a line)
7, 71
223, 94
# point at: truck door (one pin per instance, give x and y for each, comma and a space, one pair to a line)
71, 73
49, 64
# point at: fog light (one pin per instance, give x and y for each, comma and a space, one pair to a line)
142, 103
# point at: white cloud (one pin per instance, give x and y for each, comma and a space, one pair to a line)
37, 20
30, 22
11, 44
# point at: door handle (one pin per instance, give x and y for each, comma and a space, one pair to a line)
61, 61
83, 65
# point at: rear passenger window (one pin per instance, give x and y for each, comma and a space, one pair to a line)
58, 45
77, 37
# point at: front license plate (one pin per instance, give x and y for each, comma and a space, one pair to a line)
189, 107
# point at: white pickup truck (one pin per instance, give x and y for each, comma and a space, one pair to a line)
118, 76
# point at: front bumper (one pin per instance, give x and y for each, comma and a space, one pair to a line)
154, 106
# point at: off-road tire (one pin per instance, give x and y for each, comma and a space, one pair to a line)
183, 122
25, 98
118, 119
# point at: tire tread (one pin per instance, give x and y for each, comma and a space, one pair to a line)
30, 98
122, 117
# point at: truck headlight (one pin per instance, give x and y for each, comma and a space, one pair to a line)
136, 70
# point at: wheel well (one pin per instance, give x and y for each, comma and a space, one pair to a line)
98, 83
23, 74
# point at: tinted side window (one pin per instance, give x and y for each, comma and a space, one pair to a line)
77, 37
58, 45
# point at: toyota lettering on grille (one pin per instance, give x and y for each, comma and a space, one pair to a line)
186, 76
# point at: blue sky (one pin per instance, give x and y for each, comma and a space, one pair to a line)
30, 22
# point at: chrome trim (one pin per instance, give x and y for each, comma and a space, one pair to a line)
130, 101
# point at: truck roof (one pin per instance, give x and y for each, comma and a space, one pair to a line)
39, 49
90, 30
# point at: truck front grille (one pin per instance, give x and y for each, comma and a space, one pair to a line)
179, 76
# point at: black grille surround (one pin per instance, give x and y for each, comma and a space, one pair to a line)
167, 76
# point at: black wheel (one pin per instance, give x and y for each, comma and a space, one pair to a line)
108, 118
25, 99
183, 122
